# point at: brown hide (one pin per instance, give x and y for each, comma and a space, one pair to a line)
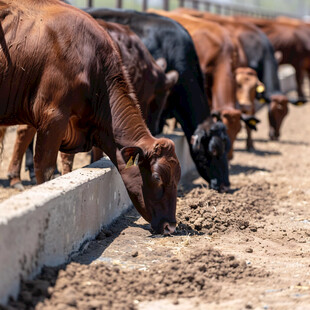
2, 135
277, 111
216, 55
62, 74
234, 29
151, 84
246, 84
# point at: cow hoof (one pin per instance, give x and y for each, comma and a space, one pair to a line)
274, 138
19, 186
250, 148
224, 189
33, 181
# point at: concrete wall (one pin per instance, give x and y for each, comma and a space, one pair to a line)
46, 224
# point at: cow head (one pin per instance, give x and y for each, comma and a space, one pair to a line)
209, 146
277, 111
232, 119
151, 175
247, 85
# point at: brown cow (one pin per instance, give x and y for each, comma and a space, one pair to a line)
215, 51
247, 85
62, 74
150, 82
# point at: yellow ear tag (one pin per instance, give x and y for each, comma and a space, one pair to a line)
299, 103
260, 88
262, 100
129, 163
252, 122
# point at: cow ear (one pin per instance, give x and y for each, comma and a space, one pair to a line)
197, 139
171, 79
132, 155
250, 121
162, 63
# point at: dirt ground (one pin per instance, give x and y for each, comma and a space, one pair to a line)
248, 249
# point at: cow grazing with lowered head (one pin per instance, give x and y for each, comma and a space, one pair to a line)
247, 84
62, 74
187, 102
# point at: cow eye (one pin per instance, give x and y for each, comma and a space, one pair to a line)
156, 178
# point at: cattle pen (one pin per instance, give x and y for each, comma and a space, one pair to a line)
77, 242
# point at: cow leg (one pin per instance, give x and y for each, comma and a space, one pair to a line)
249, 141
24, 135
29, 164
308, 75
47, 145
66, 162
299, 80
2, 134
96, 154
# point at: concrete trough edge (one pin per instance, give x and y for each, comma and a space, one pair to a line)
46, 224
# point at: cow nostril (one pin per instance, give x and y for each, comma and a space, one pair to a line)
169, 228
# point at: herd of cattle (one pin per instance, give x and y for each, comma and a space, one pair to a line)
108, 80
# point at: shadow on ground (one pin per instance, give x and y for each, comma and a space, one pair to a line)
258, 152
236, 169
289, 142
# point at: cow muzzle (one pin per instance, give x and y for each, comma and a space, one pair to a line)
168, 228
164, 226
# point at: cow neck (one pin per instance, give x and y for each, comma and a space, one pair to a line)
128, 126
223, 89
